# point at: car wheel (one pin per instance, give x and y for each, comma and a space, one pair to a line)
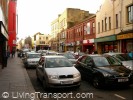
45, 85
96, 82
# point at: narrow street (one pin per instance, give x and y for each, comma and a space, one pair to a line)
98, 94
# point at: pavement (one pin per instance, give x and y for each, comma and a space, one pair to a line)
15, 83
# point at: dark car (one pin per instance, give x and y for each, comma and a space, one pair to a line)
103, 70
71, 57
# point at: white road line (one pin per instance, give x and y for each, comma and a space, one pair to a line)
120, 96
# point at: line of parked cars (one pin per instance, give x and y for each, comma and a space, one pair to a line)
57, 70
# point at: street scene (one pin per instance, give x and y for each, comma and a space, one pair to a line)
65, 50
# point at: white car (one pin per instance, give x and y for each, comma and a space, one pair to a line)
31, 59
57, 72
125, 59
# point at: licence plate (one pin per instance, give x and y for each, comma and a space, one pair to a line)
66, 82
123, 80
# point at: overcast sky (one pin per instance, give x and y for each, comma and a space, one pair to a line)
36, 15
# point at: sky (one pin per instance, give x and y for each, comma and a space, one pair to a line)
36, 15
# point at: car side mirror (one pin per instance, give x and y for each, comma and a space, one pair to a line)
89, 64
40, 66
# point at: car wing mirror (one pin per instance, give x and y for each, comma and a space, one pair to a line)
89, 64
40, 66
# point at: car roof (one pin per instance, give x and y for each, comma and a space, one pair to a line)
94, 55
32, 53
53, 56
112, 53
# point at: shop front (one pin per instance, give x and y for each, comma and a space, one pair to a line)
126, 42
88, 46
3, 41
106, 44
78, 46
70, 46
42, 47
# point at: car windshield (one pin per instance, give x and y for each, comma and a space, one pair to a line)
100, 61
123, 57
34, 56
113, 61
58, 62
69, 56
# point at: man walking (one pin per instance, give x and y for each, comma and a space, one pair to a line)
6, 54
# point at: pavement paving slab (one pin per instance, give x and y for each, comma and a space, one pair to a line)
15, 83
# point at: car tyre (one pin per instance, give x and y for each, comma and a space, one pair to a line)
96, 82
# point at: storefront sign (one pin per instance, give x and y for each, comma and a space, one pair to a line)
88, 41
104, 39
125, 36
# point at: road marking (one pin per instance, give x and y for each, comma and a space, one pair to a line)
120, 96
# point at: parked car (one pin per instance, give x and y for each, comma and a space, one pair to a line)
103, 70
50, 52
71, 57
126, 60
31, 59
79, 54
57, 72
60, 54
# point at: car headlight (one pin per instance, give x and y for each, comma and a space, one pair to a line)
76, 75
53, 76
107, 74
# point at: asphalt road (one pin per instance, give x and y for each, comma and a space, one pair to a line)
85, 92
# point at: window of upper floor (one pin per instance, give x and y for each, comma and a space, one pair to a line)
88, 28
116, 20
109, 23
105, 23
102, 26
98, 27
93, 27
130, 14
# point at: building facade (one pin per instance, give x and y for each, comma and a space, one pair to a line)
12, 24
114, 26
40, 41
81, 36
3, 28
67, 19
54, 40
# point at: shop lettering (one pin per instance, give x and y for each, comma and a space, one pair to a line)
125, 36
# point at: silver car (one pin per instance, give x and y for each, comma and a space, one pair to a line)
57, 72
125, 59
31, 59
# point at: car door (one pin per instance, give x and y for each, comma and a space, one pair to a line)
81, 66
88, 68
40, 68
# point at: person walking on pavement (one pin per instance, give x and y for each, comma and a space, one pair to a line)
13, 53
6, 55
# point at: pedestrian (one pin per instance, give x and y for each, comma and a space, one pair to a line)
87, 51
13, 53
6, 55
